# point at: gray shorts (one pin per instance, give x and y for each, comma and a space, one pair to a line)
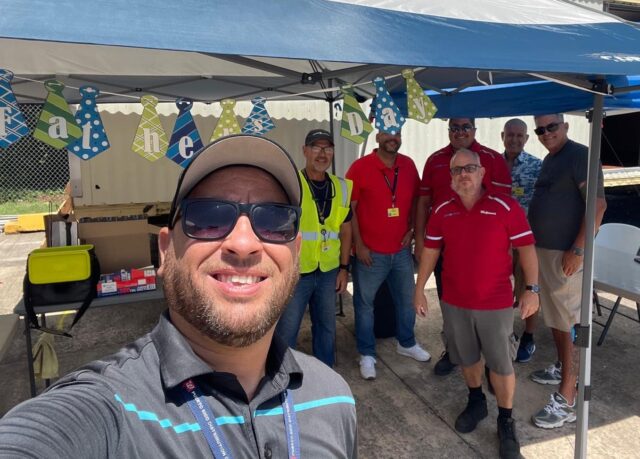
560, 295
471, 333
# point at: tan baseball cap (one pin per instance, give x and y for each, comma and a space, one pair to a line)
239, 150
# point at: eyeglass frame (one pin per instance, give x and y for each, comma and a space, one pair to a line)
317, 150
241, 209
457, 170
544, 129
466, 128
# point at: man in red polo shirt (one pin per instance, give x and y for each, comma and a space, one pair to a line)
476, 228
436, 188
385, 188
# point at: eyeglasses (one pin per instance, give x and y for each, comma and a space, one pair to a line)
468, 168
211, 219
551, 127
327, 150
464, 128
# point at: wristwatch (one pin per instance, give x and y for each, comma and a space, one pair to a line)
578, 251
535, 288
345, 267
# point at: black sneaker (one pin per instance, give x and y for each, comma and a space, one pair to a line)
475, 412
444, 365
509, 444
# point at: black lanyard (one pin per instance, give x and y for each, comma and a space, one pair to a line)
395, 185
214, 435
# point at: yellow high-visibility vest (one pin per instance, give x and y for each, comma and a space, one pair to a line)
321, 242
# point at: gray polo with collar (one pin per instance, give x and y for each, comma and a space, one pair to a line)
131, 405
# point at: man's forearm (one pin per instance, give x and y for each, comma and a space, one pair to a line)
529, 263
427, 265
346, 239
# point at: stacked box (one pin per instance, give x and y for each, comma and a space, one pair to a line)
127, 281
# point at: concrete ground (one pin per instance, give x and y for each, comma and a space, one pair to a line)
407, 412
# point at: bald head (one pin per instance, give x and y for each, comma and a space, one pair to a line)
514, 137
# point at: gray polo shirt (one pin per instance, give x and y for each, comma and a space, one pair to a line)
557, 208
131, 405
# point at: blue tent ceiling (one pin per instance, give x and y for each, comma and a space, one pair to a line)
257, 47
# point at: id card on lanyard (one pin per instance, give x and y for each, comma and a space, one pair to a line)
392, 211
215, 436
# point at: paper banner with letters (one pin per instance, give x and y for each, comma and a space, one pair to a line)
258, 122
227, 124
419, 105
355, 126
94, 138
388, 117
150, 141
185, 140
12, 123
56, 125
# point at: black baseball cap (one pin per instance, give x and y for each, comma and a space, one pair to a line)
318, 134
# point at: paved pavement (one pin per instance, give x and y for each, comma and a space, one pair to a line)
407, 412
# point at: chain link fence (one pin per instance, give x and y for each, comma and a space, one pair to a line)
31, 170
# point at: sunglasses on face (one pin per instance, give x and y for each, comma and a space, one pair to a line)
327, 150
468, 168
551, 127
211, 219
464, 128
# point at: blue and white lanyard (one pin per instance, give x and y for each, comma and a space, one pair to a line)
214, 435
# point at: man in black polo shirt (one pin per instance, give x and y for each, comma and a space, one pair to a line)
210, 379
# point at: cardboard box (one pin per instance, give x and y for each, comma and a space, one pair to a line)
127, 281
118, 244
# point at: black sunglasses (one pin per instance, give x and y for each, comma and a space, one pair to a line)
212, 219
551, 127
464, 128
468, 168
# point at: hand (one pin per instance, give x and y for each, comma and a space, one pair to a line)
408, 237
529, 304
571, 263
420, 304
342, 280
364, 254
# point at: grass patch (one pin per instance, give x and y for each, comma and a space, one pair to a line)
31, 202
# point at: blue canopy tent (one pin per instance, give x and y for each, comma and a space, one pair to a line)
308, 48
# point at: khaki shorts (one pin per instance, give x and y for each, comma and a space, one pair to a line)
560, 296
472, 333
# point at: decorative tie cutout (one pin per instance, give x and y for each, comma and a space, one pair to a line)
56, 125
185, 140
355, 125
419, 105
94, 138
227, 124
12, 123
259, 121
150, 141
388, 117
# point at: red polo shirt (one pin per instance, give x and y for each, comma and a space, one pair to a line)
436, 176
476, 247
380, 232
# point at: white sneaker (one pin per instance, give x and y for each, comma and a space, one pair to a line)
367, 367
415, 352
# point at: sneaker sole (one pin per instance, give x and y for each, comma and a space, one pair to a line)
555, 425
545, 382
406, 354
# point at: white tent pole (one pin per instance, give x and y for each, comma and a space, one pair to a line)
583, 339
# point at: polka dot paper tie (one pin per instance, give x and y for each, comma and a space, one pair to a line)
185, 140
56, 125
259, 121
227, 124
355, 126
388, 117
94, 138
419, 105
12, 124
150, 141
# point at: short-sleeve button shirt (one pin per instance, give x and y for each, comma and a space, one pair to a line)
525, 172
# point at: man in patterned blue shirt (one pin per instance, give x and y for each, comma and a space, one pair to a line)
524, 169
